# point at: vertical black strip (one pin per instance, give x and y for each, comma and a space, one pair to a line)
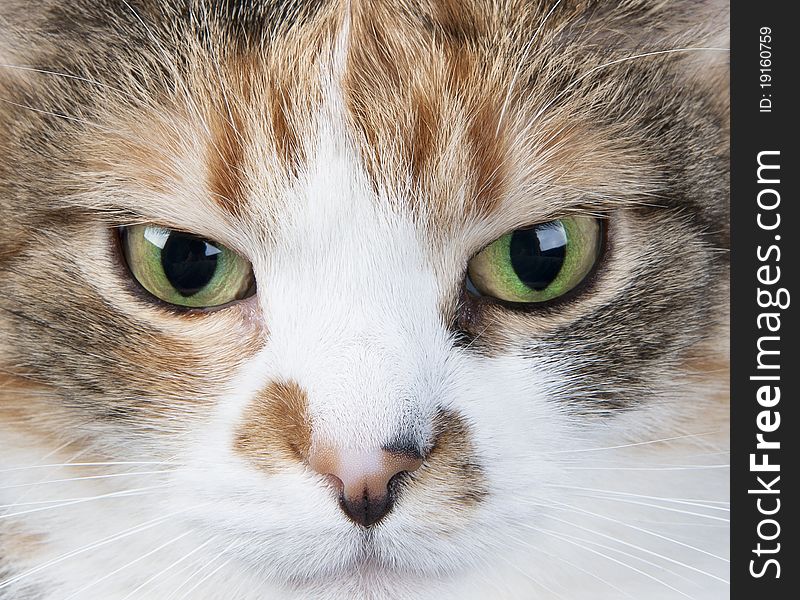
764, 64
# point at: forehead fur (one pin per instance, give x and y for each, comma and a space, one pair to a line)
458, 107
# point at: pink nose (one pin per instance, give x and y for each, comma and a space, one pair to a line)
362, 478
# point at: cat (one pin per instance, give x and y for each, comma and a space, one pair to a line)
386, 299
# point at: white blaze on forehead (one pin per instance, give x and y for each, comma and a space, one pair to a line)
350, 299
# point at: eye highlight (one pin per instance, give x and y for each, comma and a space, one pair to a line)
538, 263
185, 269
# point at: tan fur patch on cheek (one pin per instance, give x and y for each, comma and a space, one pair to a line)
24, 403
275, 432
451, 482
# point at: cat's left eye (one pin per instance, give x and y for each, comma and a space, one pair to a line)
539, 263
185, 269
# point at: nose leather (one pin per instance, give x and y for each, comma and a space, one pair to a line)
362, 478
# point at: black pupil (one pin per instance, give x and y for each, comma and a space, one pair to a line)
189, 262
537, 254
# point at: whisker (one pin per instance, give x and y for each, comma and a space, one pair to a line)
527, 575
84, 464
202, 568
658, 441
619, 562
55, 451
642, 530
666, 508
84, 478
82, 500
576, 567
126, 565
65, 500
107, 540
168, 568
689, 502
628, 554
664, 468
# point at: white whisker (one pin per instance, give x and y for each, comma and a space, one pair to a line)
65, 500
82, 500
65, 76
645, 531
202, 568
687, 501
168, 568
85, 464
664, 468
87, 477
665, 508
126, 565
619, 562
107, 540
528, 575
207, 575
631, 445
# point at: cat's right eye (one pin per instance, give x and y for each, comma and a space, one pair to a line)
185, 269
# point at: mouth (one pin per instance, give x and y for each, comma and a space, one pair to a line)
351, 556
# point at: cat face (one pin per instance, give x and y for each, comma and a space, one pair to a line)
265, 330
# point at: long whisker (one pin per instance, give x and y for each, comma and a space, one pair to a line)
206, 577
641, 549
528, 576
658, 441
645, 531
105, 541
627, 554
168, 568
86, 464
665, 508
619, 562
128, 564
64, 500
86, 477
82, 500
687, 501
202, 568
664, 468
577, 567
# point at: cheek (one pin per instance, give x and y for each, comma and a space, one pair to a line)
517, 419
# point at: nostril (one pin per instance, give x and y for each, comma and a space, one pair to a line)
362, 478
366, 510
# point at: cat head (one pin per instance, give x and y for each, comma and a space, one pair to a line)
372, 391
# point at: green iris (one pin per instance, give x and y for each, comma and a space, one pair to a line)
538, 263
185, 269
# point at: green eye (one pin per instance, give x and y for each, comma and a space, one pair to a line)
537, 263
185, 269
